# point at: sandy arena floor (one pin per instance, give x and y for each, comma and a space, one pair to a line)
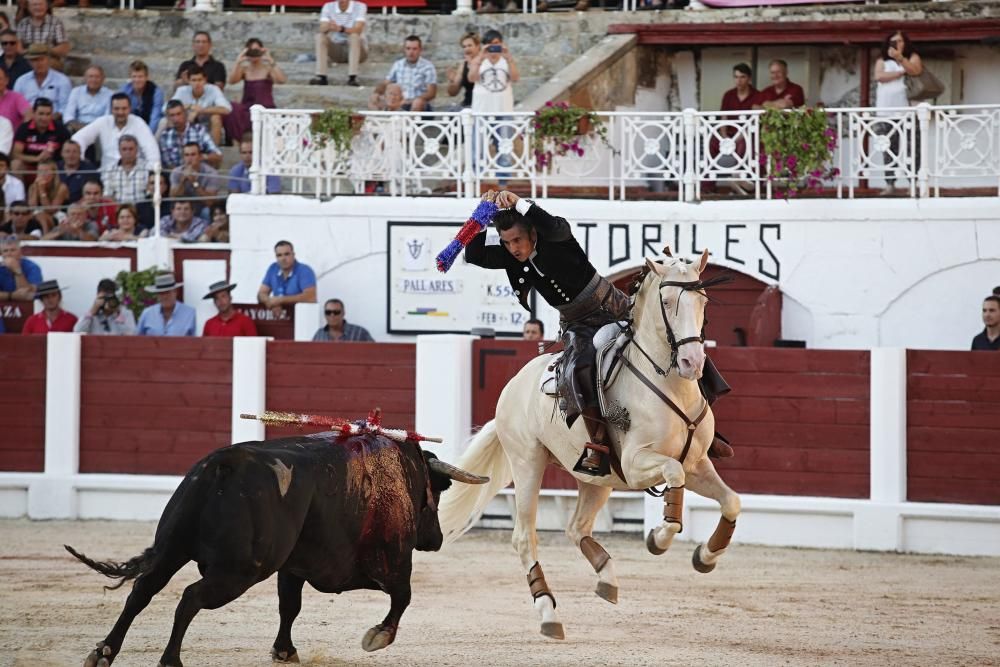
762, 606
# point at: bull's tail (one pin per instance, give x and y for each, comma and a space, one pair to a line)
463, 504
127, 571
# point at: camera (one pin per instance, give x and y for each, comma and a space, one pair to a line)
254, 53
108, 301
495, 48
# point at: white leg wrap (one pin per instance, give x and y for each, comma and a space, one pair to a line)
663, 534
709, 557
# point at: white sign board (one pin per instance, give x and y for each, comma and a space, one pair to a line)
423, 300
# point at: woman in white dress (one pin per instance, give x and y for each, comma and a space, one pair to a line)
494, 73
898, 60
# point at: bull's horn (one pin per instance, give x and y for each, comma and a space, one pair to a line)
456, 474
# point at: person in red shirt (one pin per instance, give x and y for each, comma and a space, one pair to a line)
782, 93
739, 98
53, 318
229, 322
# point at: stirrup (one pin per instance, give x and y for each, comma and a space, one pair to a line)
602, 468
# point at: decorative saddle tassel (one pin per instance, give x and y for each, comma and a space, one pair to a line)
476, 223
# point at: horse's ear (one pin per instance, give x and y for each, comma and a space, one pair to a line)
704, 260
651, 265
666, 251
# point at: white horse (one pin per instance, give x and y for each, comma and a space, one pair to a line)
663, 444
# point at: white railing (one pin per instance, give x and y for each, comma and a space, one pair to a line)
918, 149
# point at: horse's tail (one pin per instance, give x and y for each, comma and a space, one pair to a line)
463, 504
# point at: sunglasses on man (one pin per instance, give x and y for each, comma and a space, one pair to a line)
333, 312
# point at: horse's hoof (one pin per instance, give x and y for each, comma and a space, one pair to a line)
284, 657
651, 545
698, 565
606, 591
553, 630
377, 638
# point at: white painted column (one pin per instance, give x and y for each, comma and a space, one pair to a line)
878, 523
444, 391
249, 386
463, 7
53, 495
307, 320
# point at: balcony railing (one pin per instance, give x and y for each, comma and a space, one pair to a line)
920, 149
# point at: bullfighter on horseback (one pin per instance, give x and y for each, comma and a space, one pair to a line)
538, 251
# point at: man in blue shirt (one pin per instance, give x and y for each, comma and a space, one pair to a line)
89, 101
286, 282
18, 276
43, 81
169, 317
239, 175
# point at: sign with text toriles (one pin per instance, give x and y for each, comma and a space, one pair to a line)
422, 300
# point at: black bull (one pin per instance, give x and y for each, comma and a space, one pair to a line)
340, 514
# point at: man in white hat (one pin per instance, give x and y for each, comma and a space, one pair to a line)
169, 317
53, 317
229, 322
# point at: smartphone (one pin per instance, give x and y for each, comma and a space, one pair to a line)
494, 48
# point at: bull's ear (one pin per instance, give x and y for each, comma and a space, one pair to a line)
666, 251
704, 260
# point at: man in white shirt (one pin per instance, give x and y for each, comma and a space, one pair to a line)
110, 128
88, 102
205, 103
341, 39
12, 186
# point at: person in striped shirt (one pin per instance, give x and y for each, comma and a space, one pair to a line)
341, 39
337, 329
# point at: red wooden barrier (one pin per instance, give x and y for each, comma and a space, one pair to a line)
22, 385
798, 420
14, 314
153, 405
342, 380
953, 427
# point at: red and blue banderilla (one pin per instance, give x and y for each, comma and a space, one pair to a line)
476, 223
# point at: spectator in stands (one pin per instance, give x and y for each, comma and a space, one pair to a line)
110, 128
39, 139
52, 317
256, 68
169, 317
146, 97
239, 175
40, 27
74, 171
215, 71
13, 106
47, 194
13, 63
106, 316
195, 179
21, 224
126, 226
534, 329
230, 322
100, 209
989, 337
6, 135
182, 224
782, 93
494, 73
125, 182
218, 229
12, 186
898, 60
43, 81
390, 100
458, 75
147, 213
204, 103
337, 328
415, 74
74, 227
87, 102
341, 39
741, 96
287, 281
180, 132
18, 275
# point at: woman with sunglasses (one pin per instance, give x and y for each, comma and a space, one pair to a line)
337, 329
898, 61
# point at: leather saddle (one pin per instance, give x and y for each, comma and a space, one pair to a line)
608, 341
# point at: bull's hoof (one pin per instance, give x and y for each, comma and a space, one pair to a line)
606, 591
651, 545
284, 657
172, 663
553, 630
378, 637
100, 656
698, 565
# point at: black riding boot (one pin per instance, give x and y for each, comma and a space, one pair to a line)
594, 459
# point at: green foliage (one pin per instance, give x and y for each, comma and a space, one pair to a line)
797, 149
558, 131
133, 285
336, 126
